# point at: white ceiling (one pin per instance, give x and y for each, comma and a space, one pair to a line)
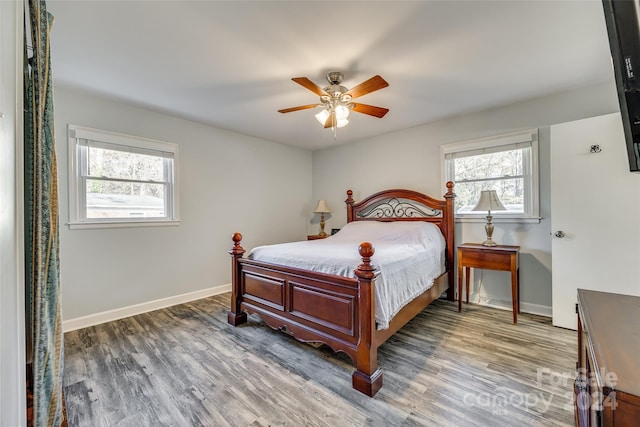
229, 63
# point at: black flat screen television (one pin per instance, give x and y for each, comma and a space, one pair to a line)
623, 27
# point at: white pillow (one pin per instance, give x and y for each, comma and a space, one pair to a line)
396, 232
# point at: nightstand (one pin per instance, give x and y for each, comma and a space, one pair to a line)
501, 257
316, 237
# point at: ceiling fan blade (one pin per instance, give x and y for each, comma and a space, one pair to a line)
305, 82
301, 107
371, 110
331, 121
371, 85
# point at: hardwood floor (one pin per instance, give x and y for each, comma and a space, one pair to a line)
185, 366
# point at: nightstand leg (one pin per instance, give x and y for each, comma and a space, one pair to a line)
518, 279
460, 270
515, 296
468, 271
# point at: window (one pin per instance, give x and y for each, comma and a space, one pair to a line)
120, 180
506, 163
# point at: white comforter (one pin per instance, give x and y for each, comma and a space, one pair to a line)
409, 256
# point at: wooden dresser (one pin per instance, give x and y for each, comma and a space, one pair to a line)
607, 389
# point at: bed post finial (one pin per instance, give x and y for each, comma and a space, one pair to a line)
450, 185
365, 270
237, 249
349, 203
235, 315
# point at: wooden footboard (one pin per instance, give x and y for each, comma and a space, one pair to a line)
313, 307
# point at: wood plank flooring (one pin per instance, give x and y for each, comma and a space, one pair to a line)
185, 366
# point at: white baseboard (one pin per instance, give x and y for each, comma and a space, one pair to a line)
132, 310
525, 307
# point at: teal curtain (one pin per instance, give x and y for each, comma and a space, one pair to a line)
41, 224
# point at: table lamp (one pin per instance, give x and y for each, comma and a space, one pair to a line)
489, 201
322, 208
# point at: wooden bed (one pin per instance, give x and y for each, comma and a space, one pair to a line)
339, 311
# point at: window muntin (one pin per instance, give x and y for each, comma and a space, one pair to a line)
507, 164
120, 179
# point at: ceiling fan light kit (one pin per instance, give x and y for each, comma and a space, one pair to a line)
336, 100
341, 112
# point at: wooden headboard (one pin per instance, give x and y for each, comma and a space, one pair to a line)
408, 205
403, 205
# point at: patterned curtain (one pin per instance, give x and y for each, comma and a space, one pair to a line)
41, 225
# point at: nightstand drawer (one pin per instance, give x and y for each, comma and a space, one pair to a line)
490, 260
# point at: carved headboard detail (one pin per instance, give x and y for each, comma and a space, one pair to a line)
394, 208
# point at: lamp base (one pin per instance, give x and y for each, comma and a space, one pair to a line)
322, 232
489, 230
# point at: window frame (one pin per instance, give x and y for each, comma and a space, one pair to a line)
77, 181
531, 173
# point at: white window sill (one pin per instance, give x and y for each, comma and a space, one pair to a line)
500, 220
120, 224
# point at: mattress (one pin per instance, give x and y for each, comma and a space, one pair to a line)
408, 255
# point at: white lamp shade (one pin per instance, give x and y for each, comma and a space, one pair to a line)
342, 113
489, 201
342, 123
322, 207
322, 116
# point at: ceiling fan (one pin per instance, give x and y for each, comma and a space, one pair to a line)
336, 100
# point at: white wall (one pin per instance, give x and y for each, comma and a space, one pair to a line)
411, 159
12, 331
228, 182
